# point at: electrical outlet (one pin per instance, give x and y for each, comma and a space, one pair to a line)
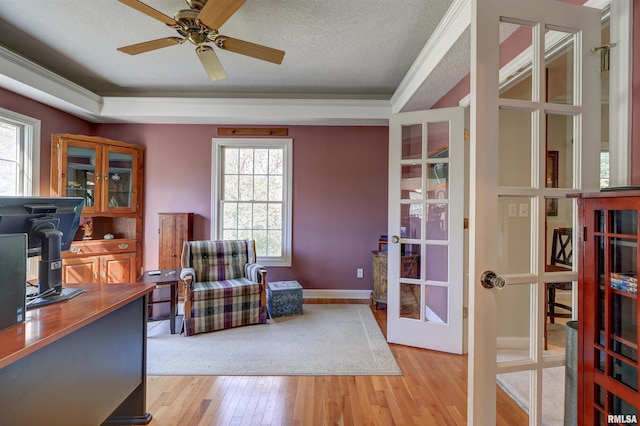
513, 210
360, 273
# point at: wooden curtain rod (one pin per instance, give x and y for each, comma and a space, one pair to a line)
252, 131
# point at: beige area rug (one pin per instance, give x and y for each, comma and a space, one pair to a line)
517, 385
325, 340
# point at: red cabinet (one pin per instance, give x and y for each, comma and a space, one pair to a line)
608, 313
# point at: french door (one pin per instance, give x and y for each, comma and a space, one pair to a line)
426, 225
534, 140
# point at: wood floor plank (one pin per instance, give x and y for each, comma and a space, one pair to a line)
431, 391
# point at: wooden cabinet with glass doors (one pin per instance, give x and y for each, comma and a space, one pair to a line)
608, 312
108, 175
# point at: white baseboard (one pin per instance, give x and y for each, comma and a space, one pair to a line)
336, 294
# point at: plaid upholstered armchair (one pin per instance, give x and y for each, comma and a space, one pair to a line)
224, 286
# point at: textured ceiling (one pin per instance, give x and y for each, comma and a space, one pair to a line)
334, 48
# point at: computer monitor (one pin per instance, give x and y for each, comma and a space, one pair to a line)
50, 224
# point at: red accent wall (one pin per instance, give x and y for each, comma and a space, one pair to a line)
339, 194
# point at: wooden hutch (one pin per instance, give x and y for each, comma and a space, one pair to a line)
608, 313
108, 174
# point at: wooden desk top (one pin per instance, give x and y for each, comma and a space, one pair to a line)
46, 324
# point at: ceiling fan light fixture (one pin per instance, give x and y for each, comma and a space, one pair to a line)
199, 24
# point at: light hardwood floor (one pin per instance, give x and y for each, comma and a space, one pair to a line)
431, 391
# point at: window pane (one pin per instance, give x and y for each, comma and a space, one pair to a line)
516, 38
515, 146
274, 216
231, 161
8, 177
230, 215
253, 194
274, 243
412, 141
259, 215
261, 188
261, 161
276, 162
559, 67
275, 188
230, 187
246, 162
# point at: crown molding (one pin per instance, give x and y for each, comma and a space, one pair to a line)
246, 111
451, 27
33, 81
29, 79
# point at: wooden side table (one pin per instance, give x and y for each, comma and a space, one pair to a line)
166, 277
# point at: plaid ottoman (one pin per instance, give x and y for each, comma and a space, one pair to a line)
284, 298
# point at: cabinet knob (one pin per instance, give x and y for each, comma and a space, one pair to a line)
75, 250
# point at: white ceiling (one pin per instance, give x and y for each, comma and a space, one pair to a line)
359, 55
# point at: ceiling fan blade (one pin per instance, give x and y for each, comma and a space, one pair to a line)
147, 46
217, 12
211, 63
250, 49
148, 10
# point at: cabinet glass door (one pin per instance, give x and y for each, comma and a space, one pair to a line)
82, 177
120, 179
615, 344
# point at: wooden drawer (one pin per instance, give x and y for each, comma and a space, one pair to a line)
98, 247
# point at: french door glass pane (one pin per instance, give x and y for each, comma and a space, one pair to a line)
560, 149
514, 249
514, 322
410, 295
436, 304
411, 142
516, 38
560, 66
515, 148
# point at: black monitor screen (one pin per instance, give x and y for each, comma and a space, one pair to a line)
29, 215
50, 224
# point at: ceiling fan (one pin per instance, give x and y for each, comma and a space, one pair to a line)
199, 24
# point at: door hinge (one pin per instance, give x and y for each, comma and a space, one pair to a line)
605, 55
465, 312
467, 134
466, 223
584, 233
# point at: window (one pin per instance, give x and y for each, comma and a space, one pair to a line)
20, 161
19, 154
252, 195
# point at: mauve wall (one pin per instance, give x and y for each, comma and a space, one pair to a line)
339, 194
51, 121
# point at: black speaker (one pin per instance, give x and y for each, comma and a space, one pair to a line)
13, 279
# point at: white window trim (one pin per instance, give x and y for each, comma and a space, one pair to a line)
31, 128
620, 76
31, 148
216, 189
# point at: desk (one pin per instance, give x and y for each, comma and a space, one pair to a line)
78, 362
166, 277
